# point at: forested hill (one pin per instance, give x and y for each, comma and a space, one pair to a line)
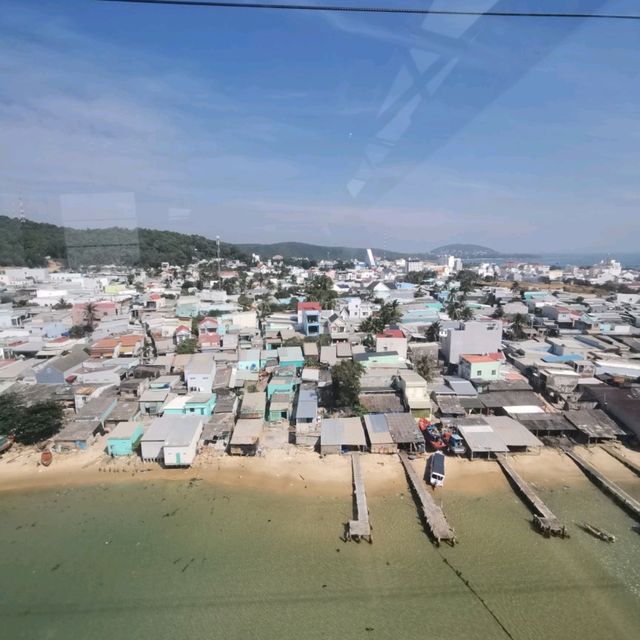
28, 243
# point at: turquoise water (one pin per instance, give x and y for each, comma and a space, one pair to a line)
171, 560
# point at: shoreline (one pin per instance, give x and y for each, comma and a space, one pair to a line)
299, 472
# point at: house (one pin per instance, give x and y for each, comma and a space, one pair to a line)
77, 435
310, 351
254, 405
328, 355
181, 445
392, 340
182, 333
309, 318
291, 356
58, 369
199, 404
101, 310
153, 400
98, 408
200, 372
105, 348
339, 435
475, 337
209, 341
415, 393
282, 381
306, 418
279, 407
405, 432
125, 438
207, 326
172, 440
378, 434
482, 368
246, 437
249, 359
374, 357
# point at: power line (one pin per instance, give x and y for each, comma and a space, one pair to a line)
390, 10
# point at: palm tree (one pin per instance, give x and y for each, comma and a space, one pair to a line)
433, 332
466, 313
517, 326
90, 315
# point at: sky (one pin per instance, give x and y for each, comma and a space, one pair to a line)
397, 132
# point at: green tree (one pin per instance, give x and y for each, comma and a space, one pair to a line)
245, 302
29, 423
466, 313
517, 326
78, 331
433, 332
498, 312
187, 346
320, 289
90, 315
345, 377
62, 304
426, 366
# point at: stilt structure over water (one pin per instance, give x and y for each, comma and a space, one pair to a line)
360, 528
543, 518
433, 514
622, 497
620, 457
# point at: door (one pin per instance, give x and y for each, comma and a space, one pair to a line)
178, 461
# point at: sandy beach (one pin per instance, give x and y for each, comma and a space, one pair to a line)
298, 471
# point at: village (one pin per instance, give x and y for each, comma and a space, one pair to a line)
180, 366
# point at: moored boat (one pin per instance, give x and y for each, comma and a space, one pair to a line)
5, 443
455, 443
46, 457
434, 438
436, 469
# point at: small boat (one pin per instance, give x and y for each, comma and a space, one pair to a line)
455, 443
5, 443
434, 437
436, 469
597, 533
46, 457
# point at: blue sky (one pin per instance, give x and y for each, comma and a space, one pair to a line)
400, 132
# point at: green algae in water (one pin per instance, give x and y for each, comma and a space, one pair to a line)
167, 560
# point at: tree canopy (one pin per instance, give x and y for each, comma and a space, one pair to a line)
346, 383
29, 423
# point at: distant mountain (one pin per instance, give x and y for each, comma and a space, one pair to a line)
467, 251
313, 251
28, 243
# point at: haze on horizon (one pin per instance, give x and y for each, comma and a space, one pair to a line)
398, 132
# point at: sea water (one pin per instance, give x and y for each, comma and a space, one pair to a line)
174, 559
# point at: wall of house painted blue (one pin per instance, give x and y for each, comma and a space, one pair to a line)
124, 446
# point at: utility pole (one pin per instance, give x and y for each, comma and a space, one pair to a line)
218, 253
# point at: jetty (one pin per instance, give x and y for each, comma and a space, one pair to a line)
631, 505
620, 457
360, 528
543, 517
433, 514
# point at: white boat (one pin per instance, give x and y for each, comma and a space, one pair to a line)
436, 469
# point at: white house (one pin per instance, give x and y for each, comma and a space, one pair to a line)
200, 372
172, 439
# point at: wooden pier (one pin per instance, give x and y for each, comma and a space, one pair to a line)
433, 514
631, 505
620, 457
543, 518
360, 528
